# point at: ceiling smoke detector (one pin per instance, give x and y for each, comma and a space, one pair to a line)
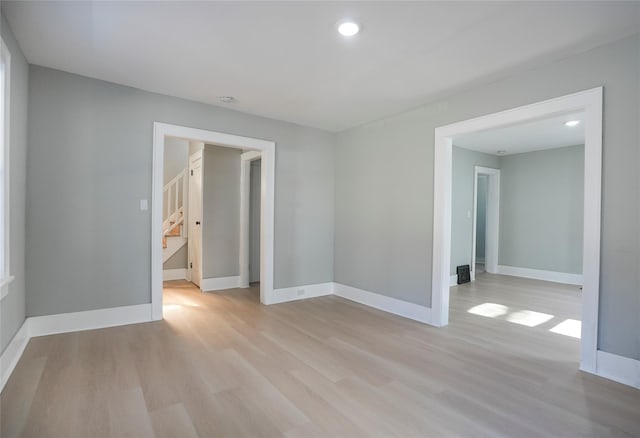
227, 99
501, 152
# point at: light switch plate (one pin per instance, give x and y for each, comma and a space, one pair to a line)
144, 205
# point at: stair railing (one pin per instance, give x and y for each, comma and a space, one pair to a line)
175, 206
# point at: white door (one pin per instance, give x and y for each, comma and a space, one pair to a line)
194, 268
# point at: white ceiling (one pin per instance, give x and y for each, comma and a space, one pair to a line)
285, 60
549, 133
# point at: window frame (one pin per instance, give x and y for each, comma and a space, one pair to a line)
5, 82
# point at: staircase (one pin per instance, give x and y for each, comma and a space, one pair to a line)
174, 199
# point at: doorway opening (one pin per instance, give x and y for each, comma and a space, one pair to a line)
250, 212
480, 225
532, 247
590, 104
266, 152
486, 217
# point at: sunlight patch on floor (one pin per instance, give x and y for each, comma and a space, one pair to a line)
569, 327
171, 307
490, 310
528, 317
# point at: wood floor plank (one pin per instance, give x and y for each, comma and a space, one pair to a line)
173, 421
222, 365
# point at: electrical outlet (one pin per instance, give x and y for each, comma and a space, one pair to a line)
300, 292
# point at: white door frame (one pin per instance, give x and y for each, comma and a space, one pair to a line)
492, 221
268, 150
589, 101
198, 155
245, 207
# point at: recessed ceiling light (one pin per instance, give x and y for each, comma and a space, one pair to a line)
572, 123
227, 99
348, 28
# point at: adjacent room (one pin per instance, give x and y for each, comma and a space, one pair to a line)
328, 219
517, 229
210, 216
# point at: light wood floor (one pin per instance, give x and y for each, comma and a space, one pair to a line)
221, 364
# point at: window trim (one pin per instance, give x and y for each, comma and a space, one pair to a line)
5, 54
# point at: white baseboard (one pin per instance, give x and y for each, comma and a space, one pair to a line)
537, 274
88, 320
618, 368
174, 274
220, 283
12, 353
385, 303
302, 292
64, 323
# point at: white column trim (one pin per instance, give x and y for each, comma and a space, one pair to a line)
618, 368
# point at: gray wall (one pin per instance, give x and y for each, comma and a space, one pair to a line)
541, 210
481, 219
178, 260
384, 185
464, 162
13, 305
89, 164
176, 157
254, 221
220, 212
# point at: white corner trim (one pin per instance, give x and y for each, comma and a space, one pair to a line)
538, 274
12, 353
385, 303
618, 368
219, 283
88, 320
4, 286
174, 274
294, 293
